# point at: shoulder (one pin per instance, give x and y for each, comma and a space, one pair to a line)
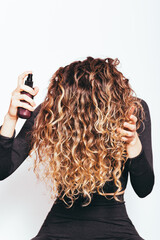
146, 125
144, 103
145, 106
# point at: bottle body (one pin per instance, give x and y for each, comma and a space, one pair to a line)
22, 112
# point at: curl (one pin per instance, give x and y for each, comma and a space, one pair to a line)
78, 147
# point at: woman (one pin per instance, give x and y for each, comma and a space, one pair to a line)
86, 136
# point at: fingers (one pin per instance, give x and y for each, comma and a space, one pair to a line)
16, 103
126, 133
129, 131
25, 105
27, 99
17, 97
124, 139
22, 77
127, 136
26, 89
22, 87
131, 127
133, 118
131, 111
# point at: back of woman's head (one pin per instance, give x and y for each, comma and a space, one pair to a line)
78, 147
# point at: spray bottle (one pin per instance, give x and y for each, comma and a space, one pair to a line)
22, 112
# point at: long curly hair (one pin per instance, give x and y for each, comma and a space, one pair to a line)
77, 146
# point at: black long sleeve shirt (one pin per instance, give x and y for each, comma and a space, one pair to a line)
14, 150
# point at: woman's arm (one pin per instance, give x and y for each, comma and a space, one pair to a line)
14, 150
141, 167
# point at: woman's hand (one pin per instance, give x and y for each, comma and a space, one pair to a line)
130, 136
17, 96
11, 117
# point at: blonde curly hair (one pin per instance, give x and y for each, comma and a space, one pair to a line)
78, 147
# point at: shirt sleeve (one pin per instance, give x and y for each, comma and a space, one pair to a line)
141, 167
14, 150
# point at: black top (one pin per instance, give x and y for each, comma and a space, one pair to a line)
102, 219
14, 150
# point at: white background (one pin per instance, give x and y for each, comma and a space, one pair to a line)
42, 36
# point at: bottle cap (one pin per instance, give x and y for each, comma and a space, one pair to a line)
29, 81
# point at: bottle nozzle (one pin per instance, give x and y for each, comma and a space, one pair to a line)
29, 81
29, 78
